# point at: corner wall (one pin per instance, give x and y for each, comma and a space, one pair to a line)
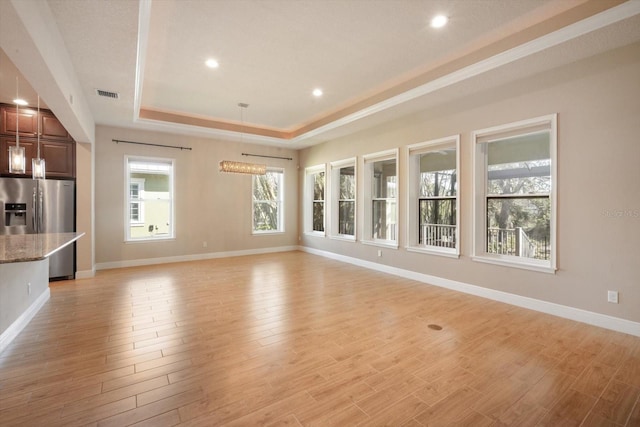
598, 106
85, 215
210, 206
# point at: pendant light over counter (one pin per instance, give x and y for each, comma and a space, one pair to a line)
16, 153
37, 163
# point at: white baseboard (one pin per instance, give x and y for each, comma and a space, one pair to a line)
194, 257
85, 274
16, 327
584, 316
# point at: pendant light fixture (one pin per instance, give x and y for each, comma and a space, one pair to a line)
16, 153
37, 163
242, 167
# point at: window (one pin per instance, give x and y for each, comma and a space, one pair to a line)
136, 197
149, 194
433, 196
515, 184
343, 197
314, 199
267, 197
380, 198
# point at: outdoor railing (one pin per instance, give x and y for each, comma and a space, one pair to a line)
515, 242
440, 235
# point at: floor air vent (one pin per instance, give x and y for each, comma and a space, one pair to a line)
107, 94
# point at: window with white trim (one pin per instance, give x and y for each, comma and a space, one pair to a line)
149, 207
314, 211
380, 198
343, 199
267, 201
433, 214
515, 187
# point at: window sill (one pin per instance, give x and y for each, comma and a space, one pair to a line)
266, 233
344, 238
315, 233
154, 239
382, 243
449, 253
539, 267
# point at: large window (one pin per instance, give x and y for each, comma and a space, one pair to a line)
315, 199
515, 188
149, 199
380, 198
343, 198
433, 196
267, 193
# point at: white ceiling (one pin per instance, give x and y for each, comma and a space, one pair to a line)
367, 56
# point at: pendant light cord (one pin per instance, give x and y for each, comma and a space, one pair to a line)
38, 119
242, 106
17, 115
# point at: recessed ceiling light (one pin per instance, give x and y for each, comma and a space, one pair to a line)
20, 101
439, 21
317, 92
212, 63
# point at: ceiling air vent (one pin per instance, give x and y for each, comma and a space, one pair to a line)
107, 94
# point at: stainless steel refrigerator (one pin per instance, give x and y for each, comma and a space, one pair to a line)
30, 206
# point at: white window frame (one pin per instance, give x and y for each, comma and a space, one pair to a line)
127, 206
480, 138
140, 201
413, 217
280, 203
367, 197
308, 200
334, 192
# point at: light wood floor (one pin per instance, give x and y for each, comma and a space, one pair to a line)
294, 339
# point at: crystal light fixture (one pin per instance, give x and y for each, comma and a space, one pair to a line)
241, 167
16, 153
37, 163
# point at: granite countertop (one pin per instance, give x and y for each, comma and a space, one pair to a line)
33, 247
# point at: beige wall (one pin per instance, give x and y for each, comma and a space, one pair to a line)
85, 248
211, 207
598, 106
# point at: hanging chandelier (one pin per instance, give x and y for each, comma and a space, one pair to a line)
37, 163
16, 153
242, 167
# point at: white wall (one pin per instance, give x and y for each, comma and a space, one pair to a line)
211, 207
598, 106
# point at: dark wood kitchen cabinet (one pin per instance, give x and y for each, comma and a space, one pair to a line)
51, 128
57, 147
28, 121
60, 158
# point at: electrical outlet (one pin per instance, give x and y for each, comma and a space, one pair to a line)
204, 244
612, 297
379, 252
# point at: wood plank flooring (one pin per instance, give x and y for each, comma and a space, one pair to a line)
293, 339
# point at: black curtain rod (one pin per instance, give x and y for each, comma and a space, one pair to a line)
153, 145
268, 157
